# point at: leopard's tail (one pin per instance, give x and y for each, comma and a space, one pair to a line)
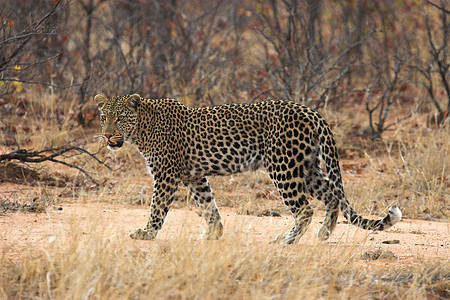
391, 218
329, 153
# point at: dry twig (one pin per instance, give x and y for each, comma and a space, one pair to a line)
52, 154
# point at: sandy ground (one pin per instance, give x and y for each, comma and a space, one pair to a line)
409, 241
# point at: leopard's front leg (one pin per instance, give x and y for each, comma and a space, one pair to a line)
163, 194
202, 195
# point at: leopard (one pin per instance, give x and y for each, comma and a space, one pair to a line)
186, 145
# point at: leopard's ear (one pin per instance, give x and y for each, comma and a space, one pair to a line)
100, 100
133, 101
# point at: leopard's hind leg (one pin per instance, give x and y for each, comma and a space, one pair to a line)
289, 178
318, 186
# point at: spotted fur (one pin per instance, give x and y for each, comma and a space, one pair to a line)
185, 145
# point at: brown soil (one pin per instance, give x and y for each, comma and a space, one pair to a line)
10, 172
408, 242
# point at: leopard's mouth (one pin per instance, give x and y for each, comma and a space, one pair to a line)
115, 144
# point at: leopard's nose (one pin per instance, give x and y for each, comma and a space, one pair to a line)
108, 135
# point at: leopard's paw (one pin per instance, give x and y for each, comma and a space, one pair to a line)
213, 233
286, 238
143, 234
278, 239
324, 233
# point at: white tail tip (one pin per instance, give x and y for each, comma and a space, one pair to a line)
395, 214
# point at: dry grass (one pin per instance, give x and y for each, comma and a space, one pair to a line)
39, 201
39, 120
413, 173
102, 265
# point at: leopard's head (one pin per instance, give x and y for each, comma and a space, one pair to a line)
118, 118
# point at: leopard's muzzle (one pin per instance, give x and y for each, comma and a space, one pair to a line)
114, 142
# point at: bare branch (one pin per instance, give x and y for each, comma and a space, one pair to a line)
439, 7
51, 154
27, 36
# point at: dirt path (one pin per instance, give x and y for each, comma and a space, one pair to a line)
417, 240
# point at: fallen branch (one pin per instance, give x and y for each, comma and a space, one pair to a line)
52, 155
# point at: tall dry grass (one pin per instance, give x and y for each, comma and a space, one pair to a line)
412, 173
102, 265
